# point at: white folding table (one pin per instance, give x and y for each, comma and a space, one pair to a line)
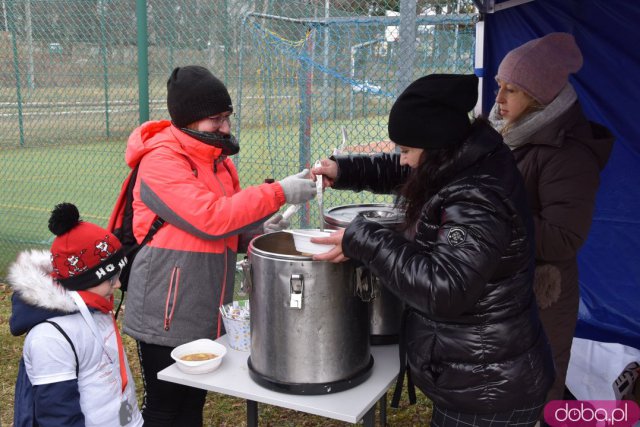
353, 405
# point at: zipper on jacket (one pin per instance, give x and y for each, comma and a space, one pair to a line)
224, 288
172, 295
224, 242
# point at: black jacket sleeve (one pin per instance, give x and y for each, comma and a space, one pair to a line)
378, 173
447, 278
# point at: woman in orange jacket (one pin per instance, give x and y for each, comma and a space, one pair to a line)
186, 272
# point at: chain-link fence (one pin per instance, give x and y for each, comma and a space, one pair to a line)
77, 76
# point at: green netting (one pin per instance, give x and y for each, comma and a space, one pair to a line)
75, 77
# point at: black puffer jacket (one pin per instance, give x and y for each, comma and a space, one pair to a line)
474, 340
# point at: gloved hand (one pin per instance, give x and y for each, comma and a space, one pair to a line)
275, 223
298, 188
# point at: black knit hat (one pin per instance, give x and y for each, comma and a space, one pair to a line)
432, 112
193, 93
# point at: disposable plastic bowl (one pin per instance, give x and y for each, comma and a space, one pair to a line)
302, 241
203, 345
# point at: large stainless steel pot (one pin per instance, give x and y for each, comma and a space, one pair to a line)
309, 332
385, 309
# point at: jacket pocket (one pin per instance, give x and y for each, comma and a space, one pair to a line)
421, 335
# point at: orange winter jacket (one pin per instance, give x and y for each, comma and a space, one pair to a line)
186, 272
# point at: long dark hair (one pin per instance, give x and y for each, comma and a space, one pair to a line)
436, 167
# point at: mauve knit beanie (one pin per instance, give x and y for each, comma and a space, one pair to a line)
193, 93
541, 67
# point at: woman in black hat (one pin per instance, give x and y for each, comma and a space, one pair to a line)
463, 260
180, 278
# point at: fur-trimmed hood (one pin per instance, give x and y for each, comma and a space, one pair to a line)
36, 297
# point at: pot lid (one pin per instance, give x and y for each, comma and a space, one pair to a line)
382, 213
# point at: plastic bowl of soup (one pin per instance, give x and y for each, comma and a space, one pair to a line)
199, 357
303, 244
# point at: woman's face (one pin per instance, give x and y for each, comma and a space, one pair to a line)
218, 123
512, 101
410, 156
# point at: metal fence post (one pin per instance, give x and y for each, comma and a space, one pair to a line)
16, 70
226, 42
143, 60
105, 67
305, 87
407, 50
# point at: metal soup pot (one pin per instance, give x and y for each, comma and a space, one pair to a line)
309, 332
385, 309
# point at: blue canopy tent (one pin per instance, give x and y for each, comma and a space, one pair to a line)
608, 87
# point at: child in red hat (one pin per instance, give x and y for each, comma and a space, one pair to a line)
73, 371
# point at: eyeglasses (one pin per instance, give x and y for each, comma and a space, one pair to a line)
218, 121
114, 279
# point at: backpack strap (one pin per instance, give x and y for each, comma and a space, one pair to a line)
64, 334
155, 226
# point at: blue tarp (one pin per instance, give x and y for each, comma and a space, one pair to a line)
608, 87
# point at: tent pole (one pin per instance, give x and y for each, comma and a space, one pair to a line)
479, 65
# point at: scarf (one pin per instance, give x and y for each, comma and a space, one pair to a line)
96, 301
520, 132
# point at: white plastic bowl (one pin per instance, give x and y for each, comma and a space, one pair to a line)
301, 239
203, 345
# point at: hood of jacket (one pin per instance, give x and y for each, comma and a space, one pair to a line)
36, 296
162, 133
484, 141
572, 124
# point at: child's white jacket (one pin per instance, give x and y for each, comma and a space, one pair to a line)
48, 392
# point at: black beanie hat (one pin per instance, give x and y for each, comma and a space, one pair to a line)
193, 93
432, 112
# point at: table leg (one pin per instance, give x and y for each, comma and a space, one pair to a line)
369, 419
252, 413
383, 410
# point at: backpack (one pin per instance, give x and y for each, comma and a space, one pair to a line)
24, 406
121, 225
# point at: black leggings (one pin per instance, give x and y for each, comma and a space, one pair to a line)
167, 404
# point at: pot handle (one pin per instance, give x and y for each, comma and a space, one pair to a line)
367, 288
244, 268
296, 287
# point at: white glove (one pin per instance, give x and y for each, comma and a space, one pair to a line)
275, 223
298, 188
